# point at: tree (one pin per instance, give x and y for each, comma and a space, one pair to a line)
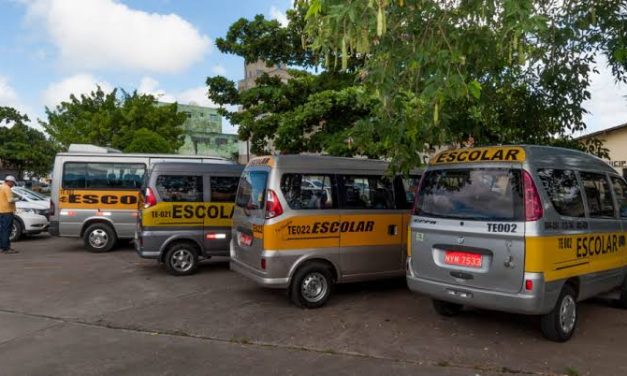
22, 147
507, 71
112, 119
147, 141
308, 113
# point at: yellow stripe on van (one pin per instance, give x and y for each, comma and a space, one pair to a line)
566, 256
326, 231
208, 214
487, 154
98, 199
261, 161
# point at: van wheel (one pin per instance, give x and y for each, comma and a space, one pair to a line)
447, 309
181, 259
16, 231
622, 299
99, 237
559, 324
311, 285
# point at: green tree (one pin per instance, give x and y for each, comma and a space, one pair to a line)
112, 119
147, 141
22, 147
310, 112
507, 71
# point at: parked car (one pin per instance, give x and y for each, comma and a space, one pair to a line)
32, 214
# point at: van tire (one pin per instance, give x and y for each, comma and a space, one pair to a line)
621, 302
560, 324
181, 259
99, 238
447, 309
16, 230
311, 285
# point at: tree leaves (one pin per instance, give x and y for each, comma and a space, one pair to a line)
23, 147
111, 119
511, 71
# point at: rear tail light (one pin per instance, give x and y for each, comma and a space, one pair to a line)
263, 264
533, 204
273, 206
52, 208
150, 200
528, 284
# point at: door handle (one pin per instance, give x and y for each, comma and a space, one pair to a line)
392, 230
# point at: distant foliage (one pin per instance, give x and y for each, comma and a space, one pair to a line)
114, 119
147, 141
22, 147
506, 71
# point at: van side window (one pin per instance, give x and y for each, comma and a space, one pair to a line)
223, 188
597, 189
562, 188
303, 191
179, 188
620, 191
82, 175
367, 192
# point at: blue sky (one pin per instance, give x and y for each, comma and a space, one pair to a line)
50, 48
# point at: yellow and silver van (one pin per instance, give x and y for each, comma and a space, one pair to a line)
95, 192
186, 214
305, 222
523, 229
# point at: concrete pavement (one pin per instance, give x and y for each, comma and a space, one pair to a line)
66, 311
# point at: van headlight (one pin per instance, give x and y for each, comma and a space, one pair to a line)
25, 211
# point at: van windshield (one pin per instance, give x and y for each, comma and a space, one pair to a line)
493, 194
251, 192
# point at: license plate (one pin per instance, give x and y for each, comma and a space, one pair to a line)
244, 239
471, 260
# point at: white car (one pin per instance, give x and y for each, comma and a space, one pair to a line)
31, 215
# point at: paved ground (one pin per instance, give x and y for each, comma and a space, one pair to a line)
64, 311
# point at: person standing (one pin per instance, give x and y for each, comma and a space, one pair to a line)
7, 209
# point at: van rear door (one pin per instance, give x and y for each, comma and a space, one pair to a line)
249, 216
468, 227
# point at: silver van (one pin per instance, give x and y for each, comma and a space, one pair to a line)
306, 222
95, 192
186, 213
522, 229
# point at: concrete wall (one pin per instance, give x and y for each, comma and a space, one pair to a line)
615, 140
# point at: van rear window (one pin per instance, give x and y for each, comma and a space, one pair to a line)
473, 194
251, 193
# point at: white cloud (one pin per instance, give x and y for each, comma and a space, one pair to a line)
278, 15
77, 84
106, 34
8, 95
608, 105
219, 69
10, 98
196, 95
149, 85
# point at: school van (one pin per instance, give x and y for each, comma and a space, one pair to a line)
305, 222
186, 214
522, 229
95, 192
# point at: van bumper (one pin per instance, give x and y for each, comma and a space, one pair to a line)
147, 245
540, 300
258, 276
53, 228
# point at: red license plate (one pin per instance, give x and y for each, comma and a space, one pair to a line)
471, 260
245, 239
